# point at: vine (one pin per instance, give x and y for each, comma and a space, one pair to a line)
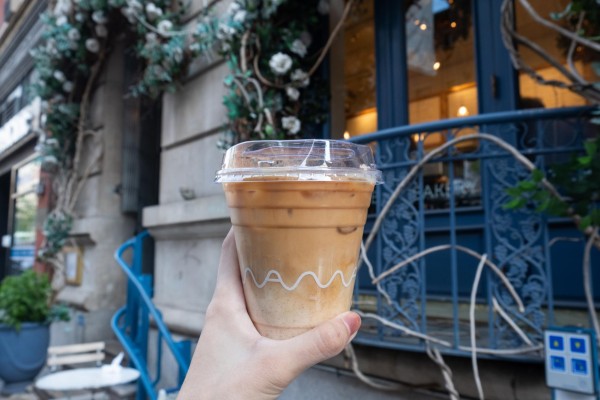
271, 48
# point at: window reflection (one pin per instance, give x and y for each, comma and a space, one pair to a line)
534, 94
441, 60
25, 199
359, 71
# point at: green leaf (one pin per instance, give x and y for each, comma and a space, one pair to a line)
537, 175
513, 191
585, 222
591, 148
515, 204
585, 160
527, 185
543, 206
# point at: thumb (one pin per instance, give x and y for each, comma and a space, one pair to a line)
322, 342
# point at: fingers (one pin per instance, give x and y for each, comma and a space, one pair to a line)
229, 283
322, 342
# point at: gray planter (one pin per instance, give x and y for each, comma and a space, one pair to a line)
22, 354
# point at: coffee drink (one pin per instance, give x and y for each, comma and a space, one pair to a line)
298, 239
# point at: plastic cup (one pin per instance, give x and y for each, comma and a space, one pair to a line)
298, 209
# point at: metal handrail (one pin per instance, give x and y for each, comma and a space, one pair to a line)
129, 345
481, 119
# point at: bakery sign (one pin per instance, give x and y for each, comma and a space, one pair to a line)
441, 190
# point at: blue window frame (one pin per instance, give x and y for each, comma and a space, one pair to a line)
497, 88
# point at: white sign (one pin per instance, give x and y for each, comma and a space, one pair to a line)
18, 126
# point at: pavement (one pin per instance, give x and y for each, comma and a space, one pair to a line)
329, 384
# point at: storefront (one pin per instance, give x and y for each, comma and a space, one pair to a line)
19, 121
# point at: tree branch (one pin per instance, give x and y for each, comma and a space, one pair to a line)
565, 32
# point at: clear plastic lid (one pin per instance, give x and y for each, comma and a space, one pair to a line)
312, 159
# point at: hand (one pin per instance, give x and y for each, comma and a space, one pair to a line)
233, 361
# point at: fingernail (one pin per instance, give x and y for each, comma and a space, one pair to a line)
352, 322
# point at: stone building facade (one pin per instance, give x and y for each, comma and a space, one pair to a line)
185, 211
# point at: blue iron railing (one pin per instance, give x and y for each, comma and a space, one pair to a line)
131, 323
457, 199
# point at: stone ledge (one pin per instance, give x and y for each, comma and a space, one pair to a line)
76, 296
184, 322
92, 230
204, 217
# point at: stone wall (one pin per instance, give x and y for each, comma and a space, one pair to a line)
101, 226
189, 233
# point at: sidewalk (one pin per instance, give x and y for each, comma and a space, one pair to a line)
320, 384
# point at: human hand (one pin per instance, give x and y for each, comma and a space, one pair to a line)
233, 361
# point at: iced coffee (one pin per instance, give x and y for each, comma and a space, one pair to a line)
298, 209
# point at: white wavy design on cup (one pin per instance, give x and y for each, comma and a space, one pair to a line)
275, 276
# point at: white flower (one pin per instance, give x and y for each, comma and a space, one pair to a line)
178, 55
323, 7
51, 160
99, 17
292, 93
132, 11
101, 30
151, 38
298, 47
157, 71
135, 5
240, 16
93, 45
51, 142
67, 86
233, 8
153, 12
291, 124
194, 47
130, 14
59, 76
164, 27
79, 17
225, 31
74, 34
300, 77
280, 63
50, 44
62, 7
62, 20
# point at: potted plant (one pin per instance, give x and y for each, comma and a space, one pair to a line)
25, 316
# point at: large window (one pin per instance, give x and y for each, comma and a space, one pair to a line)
353, 91
441, 61
532, 93
24, 197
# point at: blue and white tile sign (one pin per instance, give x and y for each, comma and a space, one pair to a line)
571, 362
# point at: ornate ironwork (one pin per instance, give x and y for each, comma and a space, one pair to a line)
470, 177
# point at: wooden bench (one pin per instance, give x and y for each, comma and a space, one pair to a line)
60, 356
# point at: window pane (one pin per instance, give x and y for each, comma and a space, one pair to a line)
441, 83
533, 94
360, 114
23, 247
441, 60
28, 177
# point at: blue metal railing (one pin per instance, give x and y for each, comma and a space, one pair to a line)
131, 323
457, 199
